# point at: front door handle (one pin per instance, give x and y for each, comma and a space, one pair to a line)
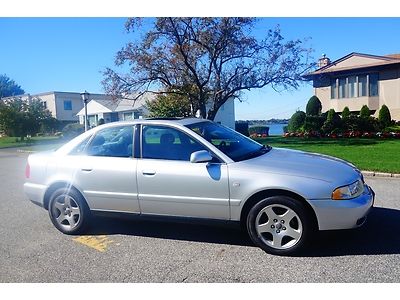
149, 172
87, 169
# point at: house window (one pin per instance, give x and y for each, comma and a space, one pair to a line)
333, 89
127, 116
352, 82
342, 88
373, 85
355, 86
67, 105
362, 86
44, 104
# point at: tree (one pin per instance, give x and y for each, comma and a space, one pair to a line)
9, 87
207, 60
345, 113
314, 120
313, 107
384, 116
19, 118
365, 112
169, 106
296, 122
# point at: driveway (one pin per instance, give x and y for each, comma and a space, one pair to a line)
115, 250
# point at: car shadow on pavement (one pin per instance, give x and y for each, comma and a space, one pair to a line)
380, 234
171, 228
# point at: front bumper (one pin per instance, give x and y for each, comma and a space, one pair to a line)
343, 214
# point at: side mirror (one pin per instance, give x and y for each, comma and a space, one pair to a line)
200, 156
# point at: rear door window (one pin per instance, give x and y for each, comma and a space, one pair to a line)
112, 142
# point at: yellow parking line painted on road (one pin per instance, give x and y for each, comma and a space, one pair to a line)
99, 242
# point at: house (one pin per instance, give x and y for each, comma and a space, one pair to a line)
226, 114
112, 110
125, 109
63, 105
358, 79
68, 107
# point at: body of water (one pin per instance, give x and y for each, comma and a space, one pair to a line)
276, 129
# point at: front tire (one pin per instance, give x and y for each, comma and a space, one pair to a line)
279, 225
68, 211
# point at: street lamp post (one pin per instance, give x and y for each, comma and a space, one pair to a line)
85, 98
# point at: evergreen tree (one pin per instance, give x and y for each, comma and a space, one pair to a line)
296, 122
384, 117
313, 107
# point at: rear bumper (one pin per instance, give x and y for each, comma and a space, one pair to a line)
343, 214
35, 192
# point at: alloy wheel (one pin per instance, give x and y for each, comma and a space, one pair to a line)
66, 212
279, 226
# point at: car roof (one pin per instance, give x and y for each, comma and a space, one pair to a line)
180, 121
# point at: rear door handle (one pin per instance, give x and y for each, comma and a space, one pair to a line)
149, 172
87, 169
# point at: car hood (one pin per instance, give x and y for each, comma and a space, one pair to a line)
304, 164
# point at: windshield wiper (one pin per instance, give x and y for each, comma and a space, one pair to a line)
264, 149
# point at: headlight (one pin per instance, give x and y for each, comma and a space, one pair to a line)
349, 191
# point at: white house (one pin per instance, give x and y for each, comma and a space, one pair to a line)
112, 110
124, 109
63, 105
68, 107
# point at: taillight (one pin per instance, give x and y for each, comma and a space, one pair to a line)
27, 171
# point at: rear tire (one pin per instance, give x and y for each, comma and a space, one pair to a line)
279, 225
68, 211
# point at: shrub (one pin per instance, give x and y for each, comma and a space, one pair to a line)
259, 131
368, 124
365, 112
345, 113
313, 107
296, 122
384, 117
313, 123
332, 122
72, 130
395, 128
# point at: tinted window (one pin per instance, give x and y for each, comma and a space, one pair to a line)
333, 89
362, 86
342, 87
236, 146
373, 85
352, 86
160, 142
114, 142
81, 148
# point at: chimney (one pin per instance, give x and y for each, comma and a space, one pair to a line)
323, 61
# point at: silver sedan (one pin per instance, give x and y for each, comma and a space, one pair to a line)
195, 168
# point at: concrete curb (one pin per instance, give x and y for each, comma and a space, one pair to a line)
380, 174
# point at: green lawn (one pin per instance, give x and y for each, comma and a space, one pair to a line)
6, 142
381, 155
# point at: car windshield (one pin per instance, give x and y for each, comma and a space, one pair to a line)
236, 146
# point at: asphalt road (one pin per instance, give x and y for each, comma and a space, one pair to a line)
32, 250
